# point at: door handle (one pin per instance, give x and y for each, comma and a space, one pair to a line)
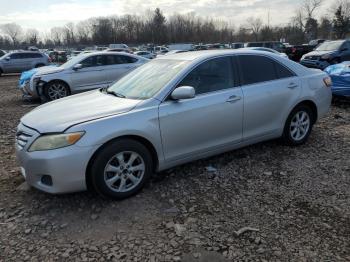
233, 99
292, 86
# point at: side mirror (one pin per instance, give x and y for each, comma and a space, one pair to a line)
77, 67
344, 49
7, 58
183, 92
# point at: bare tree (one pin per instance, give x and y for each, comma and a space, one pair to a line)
56, 35
13, 30
32, 36
310, 6
255, 25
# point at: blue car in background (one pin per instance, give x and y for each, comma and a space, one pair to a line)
340, 75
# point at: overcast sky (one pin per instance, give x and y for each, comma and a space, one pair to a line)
44, 14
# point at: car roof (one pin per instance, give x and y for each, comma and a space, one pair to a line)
104, 52
204, 54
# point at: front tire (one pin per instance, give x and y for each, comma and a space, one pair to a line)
298, 126
55, 90
121, 169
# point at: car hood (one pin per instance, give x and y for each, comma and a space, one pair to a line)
61, 114
45, 70
320, 53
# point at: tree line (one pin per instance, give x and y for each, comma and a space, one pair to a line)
154, 27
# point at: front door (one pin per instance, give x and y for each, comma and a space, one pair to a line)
209, 121
91, 75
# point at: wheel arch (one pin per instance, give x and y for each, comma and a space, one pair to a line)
311, 104
137, 138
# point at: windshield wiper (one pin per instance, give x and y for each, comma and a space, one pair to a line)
114, 93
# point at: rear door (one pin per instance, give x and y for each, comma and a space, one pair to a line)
29, 60
209, 121
270, 89
122, 64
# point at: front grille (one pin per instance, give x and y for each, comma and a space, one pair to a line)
22, 139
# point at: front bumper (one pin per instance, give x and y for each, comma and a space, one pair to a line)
27, 89
65, 167
319, 64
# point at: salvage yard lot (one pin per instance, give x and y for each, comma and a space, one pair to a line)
297, 200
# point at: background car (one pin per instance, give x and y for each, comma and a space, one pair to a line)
237, 45
278, 46
328, 53
165, 113
19, 61
340, 75
81, 73
146, 54
176, 52
268, 50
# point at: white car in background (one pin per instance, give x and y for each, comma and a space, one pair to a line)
82, 73
145, 54
265, 49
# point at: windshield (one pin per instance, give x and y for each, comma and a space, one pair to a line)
74, 60
145, 81
330, 46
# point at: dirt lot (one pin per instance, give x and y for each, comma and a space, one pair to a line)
296, 202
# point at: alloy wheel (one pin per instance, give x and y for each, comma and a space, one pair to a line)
57, 91
300, 125
124, 171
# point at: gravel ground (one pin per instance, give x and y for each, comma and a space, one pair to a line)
266, 202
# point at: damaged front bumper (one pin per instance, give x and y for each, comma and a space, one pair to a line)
32, 89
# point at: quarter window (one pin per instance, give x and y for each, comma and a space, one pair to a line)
282, 71
210, 76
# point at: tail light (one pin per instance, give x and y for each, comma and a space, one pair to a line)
327, 81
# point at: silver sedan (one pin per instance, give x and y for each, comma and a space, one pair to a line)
83, 72
170, 111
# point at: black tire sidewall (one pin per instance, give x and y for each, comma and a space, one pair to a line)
102, 158
286, 132
47, 86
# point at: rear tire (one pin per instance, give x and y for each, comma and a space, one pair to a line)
298, 126
55, 90
121, 169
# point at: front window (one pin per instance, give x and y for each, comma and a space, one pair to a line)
72, 62
330, 46
145, 81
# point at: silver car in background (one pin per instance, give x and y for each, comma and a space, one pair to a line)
170, 111
82, 73
19, 61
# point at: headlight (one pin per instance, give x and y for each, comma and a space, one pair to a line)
36, 79
48, 142
303, 57
325, 57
